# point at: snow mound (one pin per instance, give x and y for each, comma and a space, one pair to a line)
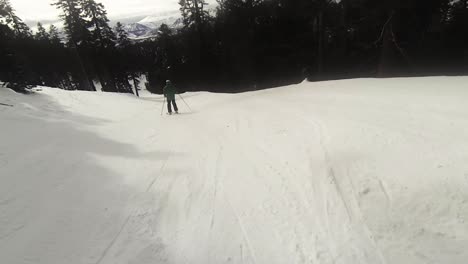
354, 171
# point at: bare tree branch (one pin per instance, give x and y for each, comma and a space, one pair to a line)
384, 27
400, 49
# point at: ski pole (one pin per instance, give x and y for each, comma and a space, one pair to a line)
185, 103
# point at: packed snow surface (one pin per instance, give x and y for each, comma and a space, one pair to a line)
356, 171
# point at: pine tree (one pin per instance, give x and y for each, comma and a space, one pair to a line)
129, 65
4, 6
78, 36
193, 13
103, 41
54, 35
41, 34
6, 35
74, 22
14, 44
122, 36
195, 19
98, 24
7, 14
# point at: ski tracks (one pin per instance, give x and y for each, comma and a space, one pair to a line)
216, 182
244, 232
134, 212
351, 203
159, 174
112, 242
223, 158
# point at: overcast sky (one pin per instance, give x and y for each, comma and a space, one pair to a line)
39, 10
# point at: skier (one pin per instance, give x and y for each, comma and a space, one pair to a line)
169, 93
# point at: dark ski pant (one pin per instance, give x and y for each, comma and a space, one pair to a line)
169, 109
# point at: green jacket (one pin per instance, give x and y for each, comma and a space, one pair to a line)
170, 91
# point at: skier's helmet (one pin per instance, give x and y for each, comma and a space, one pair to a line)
168, 81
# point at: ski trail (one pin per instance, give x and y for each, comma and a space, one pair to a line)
353, 213
134, 212
242, 227
241, 253
337, 185
384, 190
331, 171
158, 175
247, 179
104, 253
216, 180
331, 174
12, 232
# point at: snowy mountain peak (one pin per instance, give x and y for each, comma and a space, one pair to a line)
136, 30
173, 20
148, 26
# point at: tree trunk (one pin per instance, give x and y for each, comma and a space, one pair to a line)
109, 77
201, 47
320, 49
87, 82
343, 33
386, 50
135, 83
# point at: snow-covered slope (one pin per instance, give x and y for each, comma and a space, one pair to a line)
358, 171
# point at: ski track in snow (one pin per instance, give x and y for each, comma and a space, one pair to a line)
103, 255
357, 171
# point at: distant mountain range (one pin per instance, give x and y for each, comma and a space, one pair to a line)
144, 27
137, 27
136, 30
148, 26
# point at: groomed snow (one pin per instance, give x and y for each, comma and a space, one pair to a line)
356, 171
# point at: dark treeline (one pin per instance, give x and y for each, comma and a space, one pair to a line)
244, 45
92, 52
